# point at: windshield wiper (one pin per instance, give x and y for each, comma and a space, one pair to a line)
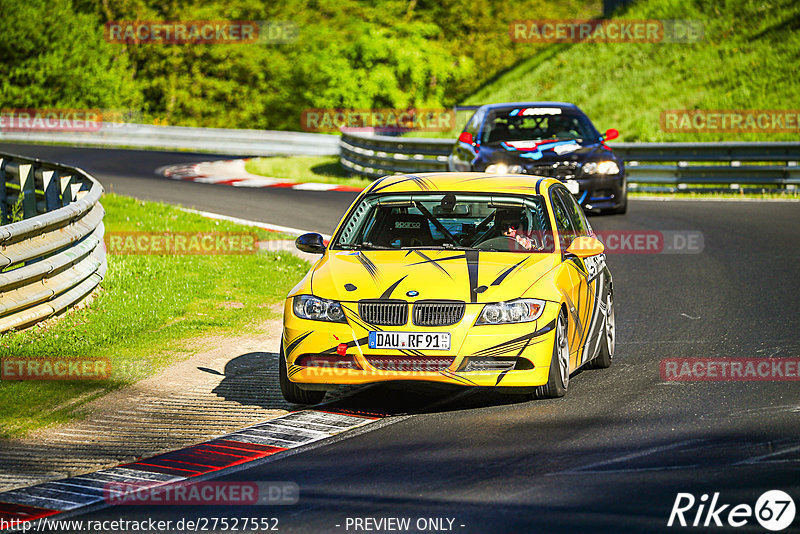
367, 245
443, 246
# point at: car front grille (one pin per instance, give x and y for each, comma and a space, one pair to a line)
438, 313
564, 170
384, 313
429, 364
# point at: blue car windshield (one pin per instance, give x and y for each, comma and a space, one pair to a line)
463, 221
536, 124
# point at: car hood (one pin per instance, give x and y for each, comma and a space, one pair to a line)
470, 276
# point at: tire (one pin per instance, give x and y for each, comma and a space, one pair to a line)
620, 210
558, 376
606, 355
291, 391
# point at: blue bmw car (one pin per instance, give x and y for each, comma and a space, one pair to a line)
552, 139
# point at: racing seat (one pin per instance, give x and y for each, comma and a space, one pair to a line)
409, 229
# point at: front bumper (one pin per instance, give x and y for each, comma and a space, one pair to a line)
519, 353
601, 192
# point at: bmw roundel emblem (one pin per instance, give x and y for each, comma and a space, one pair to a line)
412, 293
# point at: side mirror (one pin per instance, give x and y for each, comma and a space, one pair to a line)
611, 133
465, 137
585, 246
311, 243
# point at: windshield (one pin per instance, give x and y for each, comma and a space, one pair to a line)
481, 222
536, 124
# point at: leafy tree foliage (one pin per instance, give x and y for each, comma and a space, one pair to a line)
349, 54
54, 56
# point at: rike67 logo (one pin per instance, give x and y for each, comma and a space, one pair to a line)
774, 510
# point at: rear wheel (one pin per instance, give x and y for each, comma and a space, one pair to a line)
558, 377
607, 344
291, 391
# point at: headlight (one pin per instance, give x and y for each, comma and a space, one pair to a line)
502, 168
601, 167
514, 311
317, 309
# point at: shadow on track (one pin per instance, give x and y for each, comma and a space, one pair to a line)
252, 378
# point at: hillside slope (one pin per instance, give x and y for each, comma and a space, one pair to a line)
749, 59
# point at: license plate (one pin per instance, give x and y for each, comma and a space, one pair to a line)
573, 186
410, 340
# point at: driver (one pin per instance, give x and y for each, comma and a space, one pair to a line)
512, 225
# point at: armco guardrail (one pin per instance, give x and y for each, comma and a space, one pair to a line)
682, 165
378, 155
51, 239
216, 140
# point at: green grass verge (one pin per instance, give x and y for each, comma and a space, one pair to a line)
146, 314
320, 169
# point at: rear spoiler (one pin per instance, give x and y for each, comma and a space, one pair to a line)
466, 108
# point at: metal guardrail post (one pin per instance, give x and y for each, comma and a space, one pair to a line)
27, 190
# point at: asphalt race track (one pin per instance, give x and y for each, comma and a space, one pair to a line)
609, 457
131, 172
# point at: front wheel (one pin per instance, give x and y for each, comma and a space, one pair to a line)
558, 377
291, 391
621, 209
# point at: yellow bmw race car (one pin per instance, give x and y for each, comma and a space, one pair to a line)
461, 278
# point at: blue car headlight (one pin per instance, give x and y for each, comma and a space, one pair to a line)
502, 168
318, 309
513, 311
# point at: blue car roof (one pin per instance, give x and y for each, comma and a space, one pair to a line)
565, 105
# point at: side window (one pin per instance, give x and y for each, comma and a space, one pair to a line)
473, 124
575, 213
563, 222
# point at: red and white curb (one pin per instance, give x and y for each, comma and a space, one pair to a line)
232, 172
270, 438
